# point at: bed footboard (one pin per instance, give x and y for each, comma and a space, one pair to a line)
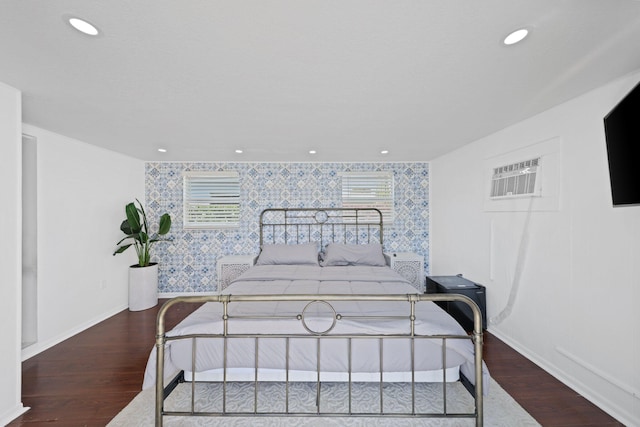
319, 333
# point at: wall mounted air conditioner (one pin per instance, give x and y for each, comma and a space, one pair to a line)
525, 179
520, 179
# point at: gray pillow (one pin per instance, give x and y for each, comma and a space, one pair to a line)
281, 254
342, 254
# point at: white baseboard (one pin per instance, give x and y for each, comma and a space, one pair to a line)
184, 294
39, 347
599, 400
12, 414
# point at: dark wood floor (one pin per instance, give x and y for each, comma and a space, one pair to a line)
87, 379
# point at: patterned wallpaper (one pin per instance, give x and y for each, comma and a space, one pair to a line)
188, 261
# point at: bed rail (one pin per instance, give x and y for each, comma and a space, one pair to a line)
319, 335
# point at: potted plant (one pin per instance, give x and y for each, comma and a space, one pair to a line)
143, 277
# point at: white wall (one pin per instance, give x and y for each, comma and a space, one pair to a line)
576, 311
82, 191
10, 249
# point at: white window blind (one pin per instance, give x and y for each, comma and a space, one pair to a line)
369, 190
211, 199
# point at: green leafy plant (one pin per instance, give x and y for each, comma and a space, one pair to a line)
136, 228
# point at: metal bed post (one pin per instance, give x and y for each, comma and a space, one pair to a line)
412, 322
160, 341
477, 341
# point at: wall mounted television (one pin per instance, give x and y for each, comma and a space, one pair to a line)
622, 131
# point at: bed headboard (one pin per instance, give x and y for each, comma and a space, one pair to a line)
322, 225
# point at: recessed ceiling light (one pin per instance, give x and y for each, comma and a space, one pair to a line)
384, 152
83, 26
162, 150
516, 36
312, 151
239, 151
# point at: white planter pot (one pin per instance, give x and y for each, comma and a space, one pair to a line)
143, 287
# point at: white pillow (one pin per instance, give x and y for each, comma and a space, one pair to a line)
343, 254
281, 254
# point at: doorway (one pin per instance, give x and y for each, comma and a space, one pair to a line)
29, 241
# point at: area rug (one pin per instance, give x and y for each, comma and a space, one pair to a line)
500, 408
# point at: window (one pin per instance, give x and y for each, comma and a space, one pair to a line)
211, 199
369, 190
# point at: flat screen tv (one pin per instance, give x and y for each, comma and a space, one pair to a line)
622, 131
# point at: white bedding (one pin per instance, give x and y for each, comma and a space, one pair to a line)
304, 279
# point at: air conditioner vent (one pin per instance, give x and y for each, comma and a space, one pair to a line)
516, 179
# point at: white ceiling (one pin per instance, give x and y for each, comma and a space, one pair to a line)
277, 78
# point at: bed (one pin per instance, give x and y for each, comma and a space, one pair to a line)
320, 307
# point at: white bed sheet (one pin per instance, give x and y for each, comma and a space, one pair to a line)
277, 280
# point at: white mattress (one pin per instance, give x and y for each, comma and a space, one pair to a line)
277, 280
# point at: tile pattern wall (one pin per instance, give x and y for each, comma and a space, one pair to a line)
188, 261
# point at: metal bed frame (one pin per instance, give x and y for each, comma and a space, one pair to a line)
323, 225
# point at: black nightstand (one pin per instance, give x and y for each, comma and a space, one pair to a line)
459, 310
